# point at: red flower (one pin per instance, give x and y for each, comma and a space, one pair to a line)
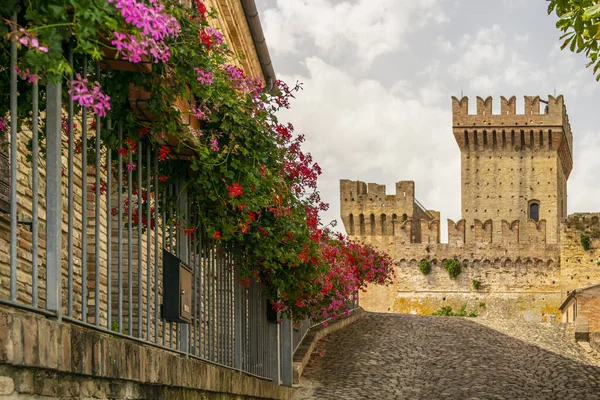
122, 151
132, 144
163, 178
205, 38
201, 9
252, 216
235, 190
164, 153
189, 231
217, 235
144, 131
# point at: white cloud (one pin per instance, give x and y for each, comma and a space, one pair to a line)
369, 27
359, 129
396, 124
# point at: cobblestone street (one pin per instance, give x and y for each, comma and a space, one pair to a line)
387, 356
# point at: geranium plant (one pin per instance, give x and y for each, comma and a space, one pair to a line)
253, 186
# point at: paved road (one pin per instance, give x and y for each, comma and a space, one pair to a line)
387, 356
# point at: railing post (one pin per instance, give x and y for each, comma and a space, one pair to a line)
53, 197
184, 255
274, 344
237, 307
286, 353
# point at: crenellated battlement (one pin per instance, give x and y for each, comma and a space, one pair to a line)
583, 222
482, 233
368, 210
543, 125
554, 112
361, 192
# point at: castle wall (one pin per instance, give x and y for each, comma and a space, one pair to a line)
368, 211
517, 278
579, 267
525, 266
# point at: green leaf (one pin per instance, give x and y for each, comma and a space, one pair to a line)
591, 12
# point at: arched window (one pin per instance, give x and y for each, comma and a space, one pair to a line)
383, 225
534, 211
404, 217
351, 224
394, 219
372, 220
362, 224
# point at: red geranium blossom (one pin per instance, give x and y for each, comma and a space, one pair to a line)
235, 190
164, 153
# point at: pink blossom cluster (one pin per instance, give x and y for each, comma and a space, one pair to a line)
134, 49
236, 75
3, 126
80, 89
155, 26
28, 39
149, 19
205, 77
201, 112
26, 75
214, 144
216, 36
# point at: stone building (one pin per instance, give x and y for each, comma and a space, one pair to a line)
106, 336
519, 251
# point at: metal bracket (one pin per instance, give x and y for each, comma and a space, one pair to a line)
27, 223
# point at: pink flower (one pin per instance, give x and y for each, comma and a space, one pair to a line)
27, 76
216, 36
28, 39
130, 166
205, 77
214, 144
79, 89
155, 26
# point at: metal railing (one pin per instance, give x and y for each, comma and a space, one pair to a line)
300, 332
109, 275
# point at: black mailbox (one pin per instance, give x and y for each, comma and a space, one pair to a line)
272, 315
177, 290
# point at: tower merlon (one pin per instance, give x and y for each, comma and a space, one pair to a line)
554, 113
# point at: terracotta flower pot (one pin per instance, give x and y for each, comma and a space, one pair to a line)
138, 100
112, 59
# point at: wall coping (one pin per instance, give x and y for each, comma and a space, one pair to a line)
32, 341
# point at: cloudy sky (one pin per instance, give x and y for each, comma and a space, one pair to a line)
378, 76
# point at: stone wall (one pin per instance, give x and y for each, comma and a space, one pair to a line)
367, 210
515, 281
527, 278
579, 267
41, 357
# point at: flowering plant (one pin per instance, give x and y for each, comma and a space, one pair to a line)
253, 186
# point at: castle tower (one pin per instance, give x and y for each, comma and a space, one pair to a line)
514, 166
368, 212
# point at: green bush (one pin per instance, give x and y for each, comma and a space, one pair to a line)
475, 284
425, 267
585, 242
446, 311
453, 267
481, 304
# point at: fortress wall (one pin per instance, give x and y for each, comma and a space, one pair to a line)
579, 267
517, 278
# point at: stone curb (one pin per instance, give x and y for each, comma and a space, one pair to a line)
302, 355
